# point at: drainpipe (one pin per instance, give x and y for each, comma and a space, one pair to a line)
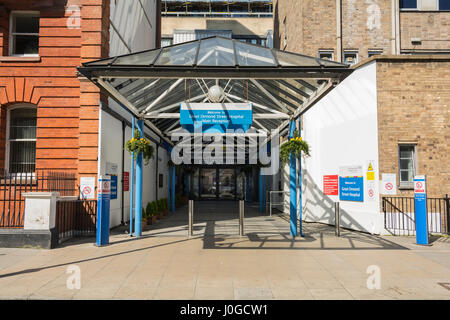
99, 148
397, 27
123, 171
156, 172
339, 30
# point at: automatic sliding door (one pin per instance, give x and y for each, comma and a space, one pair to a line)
208, 184
227, 184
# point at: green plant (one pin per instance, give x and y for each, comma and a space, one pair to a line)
154, 209
148, 209
138, 145
295, 146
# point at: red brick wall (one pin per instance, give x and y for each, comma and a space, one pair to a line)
67, 113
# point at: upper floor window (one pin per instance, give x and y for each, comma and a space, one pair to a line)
372, 53
24, 33
351, 57
326, 54
407, 165
408, 4
21, 139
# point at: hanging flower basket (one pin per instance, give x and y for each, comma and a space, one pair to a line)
295, 146
140, 145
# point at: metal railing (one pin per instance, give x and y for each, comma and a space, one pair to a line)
399, 215
217, 14
12, 187
75, 218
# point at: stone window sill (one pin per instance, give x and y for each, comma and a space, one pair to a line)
407, 187
19, 59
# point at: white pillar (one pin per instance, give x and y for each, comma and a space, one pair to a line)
40, 210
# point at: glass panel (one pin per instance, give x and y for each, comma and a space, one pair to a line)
249, 56
406, 164
292, 60
103, 62
408, 4
139, 59
406, 176
227, 187
216, 52
406, 152
208, 183
23, 124
22, 156
181, 55
26, 44
26, 24
444, 5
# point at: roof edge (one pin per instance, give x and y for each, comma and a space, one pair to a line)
404, 58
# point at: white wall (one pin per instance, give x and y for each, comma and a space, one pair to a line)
341, 130
133, 29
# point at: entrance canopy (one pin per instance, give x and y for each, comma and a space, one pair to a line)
153, 84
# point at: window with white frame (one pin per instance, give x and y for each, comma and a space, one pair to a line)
24, 33
407, 164
326, 54
351, 57
21, 139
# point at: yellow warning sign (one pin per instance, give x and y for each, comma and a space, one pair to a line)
370, 176
370, 167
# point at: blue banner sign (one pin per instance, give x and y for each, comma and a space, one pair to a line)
351, 189
216, 117
420, 208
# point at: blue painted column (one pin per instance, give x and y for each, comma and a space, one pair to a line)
172, 189
300, 184
293, 186
132, 182
139, 176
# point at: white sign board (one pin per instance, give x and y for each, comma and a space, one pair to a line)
419, 186
87, 188
351, 171
111, 168
389, 183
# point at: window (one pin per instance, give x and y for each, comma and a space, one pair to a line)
161, 180
21, 142
444, 5
374, 52
351, 57
408, 4
166, 42
326, 54
24, 35
407, 165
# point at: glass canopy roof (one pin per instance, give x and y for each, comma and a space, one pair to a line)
152, 84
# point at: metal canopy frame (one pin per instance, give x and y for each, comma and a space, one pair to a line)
152, 84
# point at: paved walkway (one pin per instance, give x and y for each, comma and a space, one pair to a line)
265, 264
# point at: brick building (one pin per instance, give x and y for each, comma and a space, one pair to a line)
392, 111
352, 31
50, 117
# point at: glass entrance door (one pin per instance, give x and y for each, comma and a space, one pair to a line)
227, 184
208, 183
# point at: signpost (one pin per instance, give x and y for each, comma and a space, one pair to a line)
87, 188
126, 181
420, 210
103, 199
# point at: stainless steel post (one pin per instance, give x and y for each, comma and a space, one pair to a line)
191, 218
337, 217
270, 202
241, 218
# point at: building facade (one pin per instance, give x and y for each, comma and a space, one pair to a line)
52, 119
390, 115
248, 21
352, 31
